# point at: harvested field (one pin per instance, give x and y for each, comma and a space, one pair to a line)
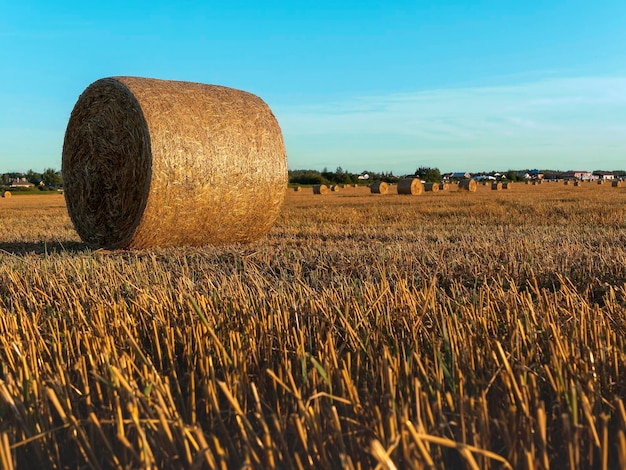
451, 330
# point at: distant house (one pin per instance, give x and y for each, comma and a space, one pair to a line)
535, 174
579, 175
20, 183
459, 175
606, 176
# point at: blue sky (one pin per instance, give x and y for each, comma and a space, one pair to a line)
381, 85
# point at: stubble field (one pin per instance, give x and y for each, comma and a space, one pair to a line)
447, 330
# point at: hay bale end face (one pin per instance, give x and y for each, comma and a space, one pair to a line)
6, 194
411, 186
151, 162
434, 187
320, 189
379, 188
616, 184
468, 185
496, 186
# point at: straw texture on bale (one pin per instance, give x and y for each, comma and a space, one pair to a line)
468, 185
7, 194
496, 186
150, 162
444, 186
379, 187
616, 184
320, 189
334, 188
411, 186
434, 187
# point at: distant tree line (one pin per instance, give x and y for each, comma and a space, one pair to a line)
427, 174
339, 176
49, 179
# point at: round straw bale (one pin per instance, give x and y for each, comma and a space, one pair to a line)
507, 185
410, 186
600, 181
379, 187
434, 187
496, 186
320, 189
616, 184
297, 188
577, 183
444, 186
334, 188
151, 162
468, 185
7, 194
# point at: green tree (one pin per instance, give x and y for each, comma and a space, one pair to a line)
430, 175
511, 175
52, 177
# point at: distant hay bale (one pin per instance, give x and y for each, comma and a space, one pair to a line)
468, 185
566, 182
334, 188
320, 189
496, 186
411, 186
616, 184
379, 187
151, 162
7, 194
444, 186
434, 187
577, 183
297, 189
507, 185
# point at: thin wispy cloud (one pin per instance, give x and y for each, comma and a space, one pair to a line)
578, 119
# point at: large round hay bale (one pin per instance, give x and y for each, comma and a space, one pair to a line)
6, 194
151, 162
434, 187
496, 186
334, 188
507, 185
444, 186
411, 186
320, 189
468, 185
379, 187
577, 183
616, 184
297, 188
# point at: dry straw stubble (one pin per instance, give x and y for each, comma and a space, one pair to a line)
411, 186
151, 162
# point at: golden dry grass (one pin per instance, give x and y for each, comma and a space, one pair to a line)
447, 330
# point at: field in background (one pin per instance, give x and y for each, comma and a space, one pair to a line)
484, 330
